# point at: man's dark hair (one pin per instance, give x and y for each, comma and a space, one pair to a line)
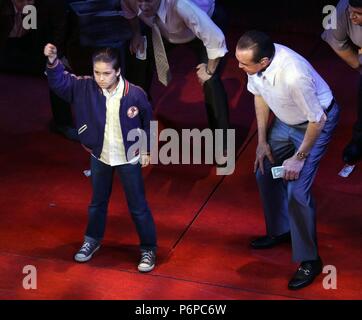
355, 3
107, 55
261, 44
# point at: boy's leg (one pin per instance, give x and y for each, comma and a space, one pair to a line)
132, 181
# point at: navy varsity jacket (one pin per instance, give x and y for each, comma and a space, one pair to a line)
89, 107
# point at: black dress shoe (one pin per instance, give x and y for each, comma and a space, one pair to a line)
269, 242
352, 152
306, 273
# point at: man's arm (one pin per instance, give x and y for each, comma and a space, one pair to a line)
130, 11
263, 150
206, 70
312, 133
208, 32
294, 165
137, 40
351, 56
302, 89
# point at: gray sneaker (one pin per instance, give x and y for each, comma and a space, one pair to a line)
147, 262
86, 252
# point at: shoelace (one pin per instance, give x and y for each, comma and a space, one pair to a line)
86, 247
147, 257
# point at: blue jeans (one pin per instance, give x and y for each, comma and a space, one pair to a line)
132, 181
289, 206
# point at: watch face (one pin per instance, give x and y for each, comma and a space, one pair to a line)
301, 155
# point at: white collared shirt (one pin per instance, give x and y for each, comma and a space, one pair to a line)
292, 88
180, 21
113, 152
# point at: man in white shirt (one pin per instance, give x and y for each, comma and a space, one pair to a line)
285, 84
346, 41
196, 22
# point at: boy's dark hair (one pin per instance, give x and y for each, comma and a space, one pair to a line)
355, 3
261, 44
107, 55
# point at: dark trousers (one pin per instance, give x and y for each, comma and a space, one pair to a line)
25, 55
140, 72
357, 128
132, 181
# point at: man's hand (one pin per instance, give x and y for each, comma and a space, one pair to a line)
202, 74
137, 43
292, 168
145, 160
263, 150
50, 51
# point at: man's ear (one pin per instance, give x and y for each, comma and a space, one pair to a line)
264, 61
118, 72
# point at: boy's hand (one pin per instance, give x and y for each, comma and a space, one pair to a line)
145, 160
50, 51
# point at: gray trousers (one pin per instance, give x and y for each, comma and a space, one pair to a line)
289, 206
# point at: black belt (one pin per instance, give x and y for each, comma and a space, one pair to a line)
330, 106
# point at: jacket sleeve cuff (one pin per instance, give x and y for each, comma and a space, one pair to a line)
53, 65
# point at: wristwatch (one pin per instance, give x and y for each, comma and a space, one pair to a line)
301, 155
209, 72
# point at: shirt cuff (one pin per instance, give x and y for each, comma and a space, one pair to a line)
216, 53
315, 117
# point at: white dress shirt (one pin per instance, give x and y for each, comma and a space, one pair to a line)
113, 152
292, 88
180, 21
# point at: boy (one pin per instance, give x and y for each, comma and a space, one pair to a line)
106, 108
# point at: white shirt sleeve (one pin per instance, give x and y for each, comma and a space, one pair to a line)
203, 27
303, 91
251, 87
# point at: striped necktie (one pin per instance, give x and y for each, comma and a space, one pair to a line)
162, 66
